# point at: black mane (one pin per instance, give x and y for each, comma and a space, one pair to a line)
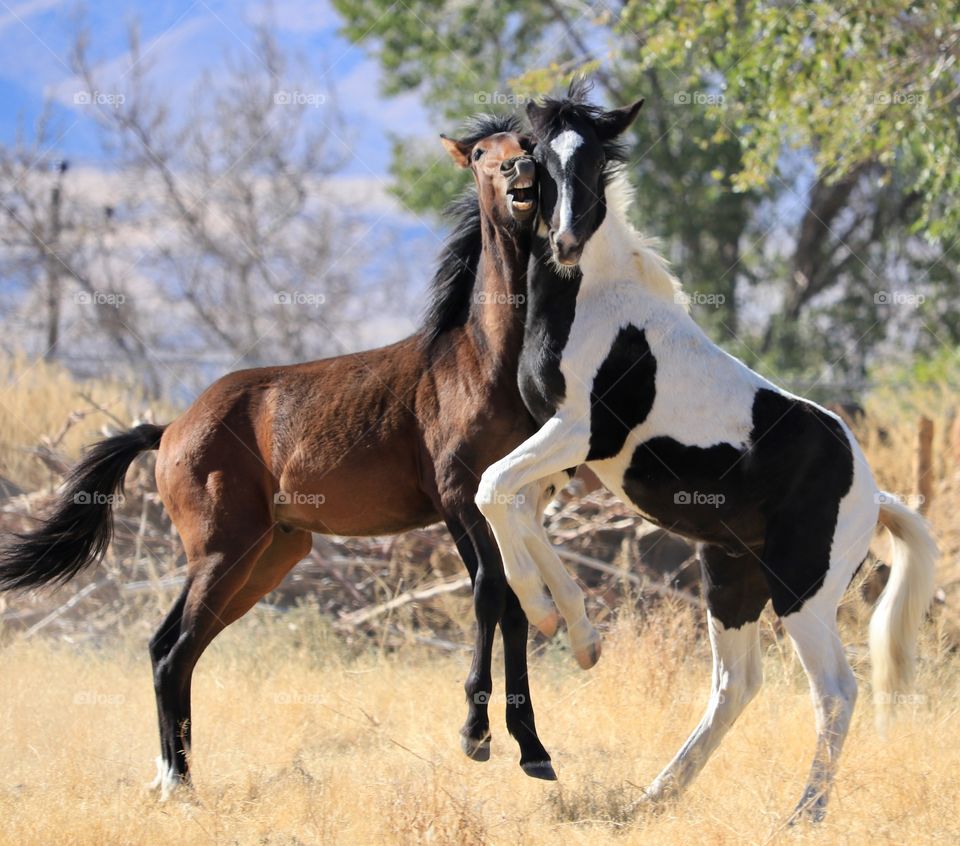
456, 274
555, 114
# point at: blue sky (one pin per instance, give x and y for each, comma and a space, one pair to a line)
182, 40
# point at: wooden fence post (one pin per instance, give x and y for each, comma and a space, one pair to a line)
924, 464
955, 438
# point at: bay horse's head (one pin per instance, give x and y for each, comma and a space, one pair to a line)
578, 150
501, 159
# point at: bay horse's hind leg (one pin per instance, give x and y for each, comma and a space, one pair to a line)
217, 571
736, 592
161, 643
222, 588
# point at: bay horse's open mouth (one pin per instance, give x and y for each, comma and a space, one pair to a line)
523, 195
521, 186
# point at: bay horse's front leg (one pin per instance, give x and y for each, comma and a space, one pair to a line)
495, 603
559, 444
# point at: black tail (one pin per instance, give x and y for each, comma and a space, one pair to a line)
82, 523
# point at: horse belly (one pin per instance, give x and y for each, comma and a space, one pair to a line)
700, 493
363, 495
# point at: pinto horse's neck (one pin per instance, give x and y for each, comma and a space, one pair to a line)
500, 298
616, 252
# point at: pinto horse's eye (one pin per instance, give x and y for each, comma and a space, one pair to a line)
477, 153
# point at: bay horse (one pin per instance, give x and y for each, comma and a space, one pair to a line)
373, 443
774, 488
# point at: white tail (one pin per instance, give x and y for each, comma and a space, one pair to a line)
903, 604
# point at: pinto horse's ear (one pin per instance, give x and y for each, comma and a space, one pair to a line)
535, 115
611, 124
459, 152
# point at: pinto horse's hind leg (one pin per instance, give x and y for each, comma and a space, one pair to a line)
810, 565
736, 593
833, 688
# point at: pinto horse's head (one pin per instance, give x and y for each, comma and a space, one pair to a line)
501, 159
577, 150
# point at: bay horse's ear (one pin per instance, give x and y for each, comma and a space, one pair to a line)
613, 123
459, 152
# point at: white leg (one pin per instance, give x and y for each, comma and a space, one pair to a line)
517, 529
813, 630
737, 676
558, 445
527, 574
520, 569
564, 588
584, 638
166, 782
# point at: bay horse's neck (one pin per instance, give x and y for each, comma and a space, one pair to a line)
500, 297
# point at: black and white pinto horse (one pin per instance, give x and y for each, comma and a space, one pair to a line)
774, 488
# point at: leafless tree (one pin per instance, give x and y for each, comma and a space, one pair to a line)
217, 234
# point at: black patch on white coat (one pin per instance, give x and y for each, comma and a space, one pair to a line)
777, 501
735, 586
622, 393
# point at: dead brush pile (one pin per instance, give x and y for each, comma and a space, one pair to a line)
390, 590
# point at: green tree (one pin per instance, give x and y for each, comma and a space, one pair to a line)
798, 160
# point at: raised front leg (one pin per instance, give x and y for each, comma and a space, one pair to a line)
504, 499
584, 638
558, 444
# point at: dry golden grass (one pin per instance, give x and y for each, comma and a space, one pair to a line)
298, 742
36, 400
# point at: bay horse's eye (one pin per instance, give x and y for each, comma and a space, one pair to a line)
477, 153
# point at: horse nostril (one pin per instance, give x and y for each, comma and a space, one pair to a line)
507, 166
566, 245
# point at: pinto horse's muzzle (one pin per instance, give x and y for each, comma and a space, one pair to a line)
521, 174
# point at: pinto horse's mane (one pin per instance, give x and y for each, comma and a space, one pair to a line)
652, 268
452, 287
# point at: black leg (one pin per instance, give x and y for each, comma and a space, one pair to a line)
495, 603
475, 734
534, 759
161, 645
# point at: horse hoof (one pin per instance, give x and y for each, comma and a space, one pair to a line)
811, 809
548, 625
476, 750
167, 782
540, 769
589, 655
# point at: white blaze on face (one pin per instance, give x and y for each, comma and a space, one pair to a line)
565, 145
